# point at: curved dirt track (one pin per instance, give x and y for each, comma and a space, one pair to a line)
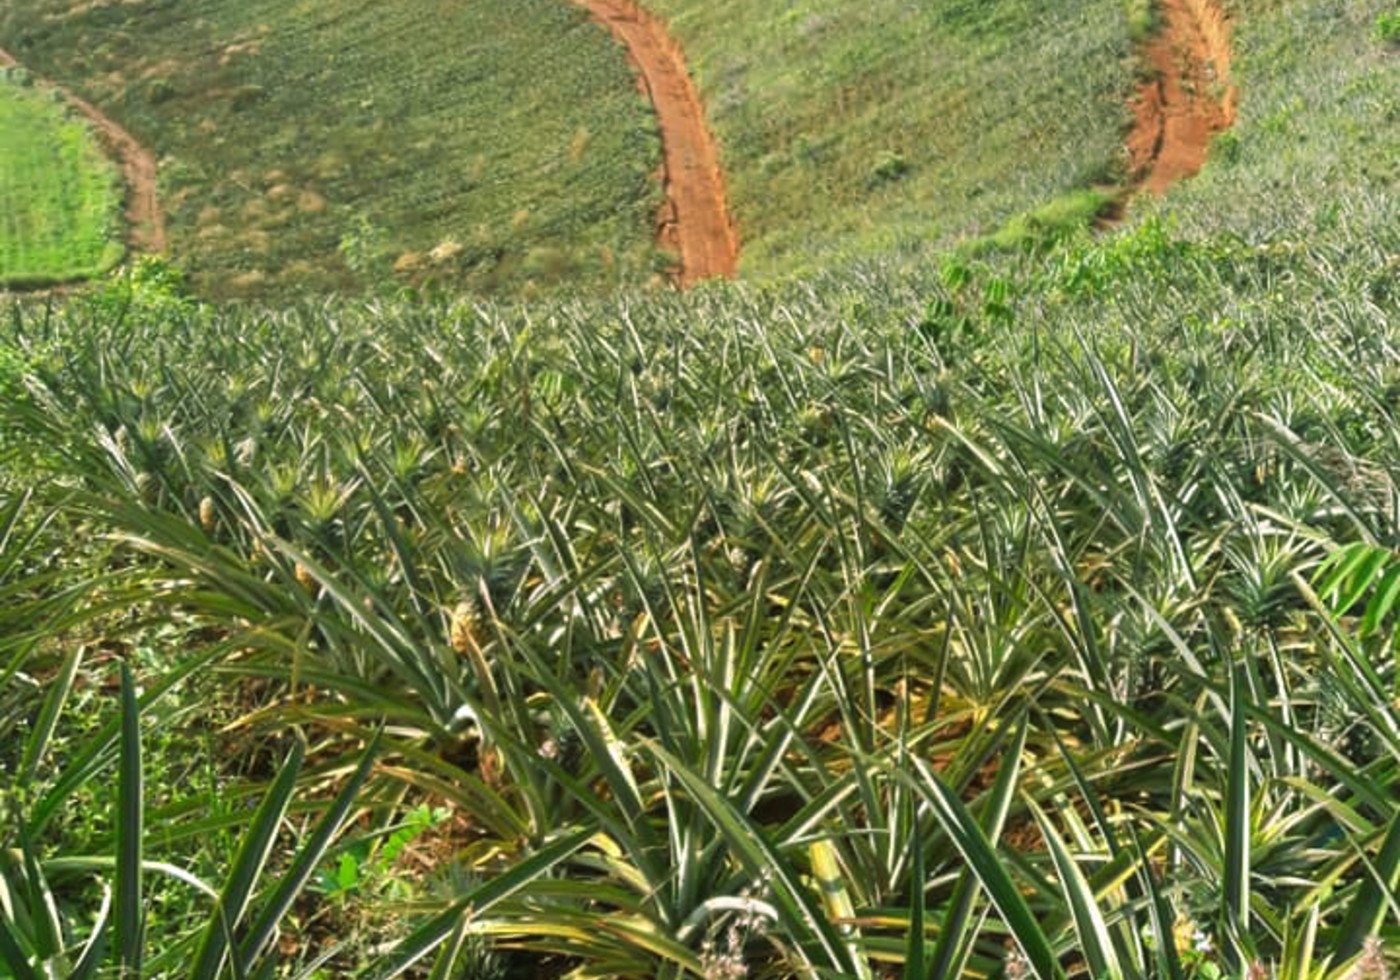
695, 219
145, 224
1188, 101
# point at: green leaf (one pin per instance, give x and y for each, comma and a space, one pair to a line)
445, 965
1089, 922
46, 926
90, 960
1372, 565
306, 862
429, 936
1237, 819
978, 852
1340, 567
916, 945
951, 952
1163, 919
1383, 602
36, 746
12, 955
253, 853
1367, 909
130, 913
806, 924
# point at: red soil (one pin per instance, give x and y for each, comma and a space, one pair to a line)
1188, 101
695, 219
146, 225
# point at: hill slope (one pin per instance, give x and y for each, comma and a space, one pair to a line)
58, 195
513, 147
854, 127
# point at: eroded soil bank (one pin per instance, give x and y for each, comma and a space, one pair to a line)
695, 219
1188, 99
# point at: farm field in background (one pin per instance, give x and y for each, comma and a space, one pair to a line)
1317, 142
850, 128
330, 145
59, 196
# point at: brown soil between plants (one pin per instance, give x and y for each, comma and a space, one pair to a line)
145, 223
1188, 100
695, 219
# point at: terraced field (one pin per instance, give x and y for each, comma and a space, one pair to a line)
324, 146
59, 196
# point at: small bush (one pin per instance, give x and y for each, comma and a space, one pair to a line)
246, 97
1226, 146
159, 90
889, 167
1388, 27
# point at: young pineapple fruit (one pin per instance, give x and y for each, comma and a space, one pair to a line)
464, 630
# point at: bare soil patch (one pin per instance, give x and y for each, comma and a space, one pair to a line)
1188, 99
695, 219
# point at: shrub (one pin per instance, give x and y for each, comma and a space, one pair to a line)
1388, 27
889, 167
160, 90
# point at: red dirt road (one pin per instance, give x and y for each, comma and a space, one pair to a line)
1190, 99
145, 224
695, 219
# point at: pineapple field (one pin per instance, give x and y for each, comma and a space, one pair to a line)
987, 584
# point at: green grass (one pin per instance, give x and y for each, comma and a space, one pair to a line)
993, 108
1388, 27
946, 614
484, 145
59, 196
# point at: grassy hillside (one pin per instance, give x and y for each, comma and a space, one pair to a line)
1025, 615
512, 147
59, 197
1316, 148
908, 122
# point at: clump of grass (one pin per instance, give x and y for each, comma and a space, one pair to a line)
1143, 19
889, 167
1388, 27
1063, 218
